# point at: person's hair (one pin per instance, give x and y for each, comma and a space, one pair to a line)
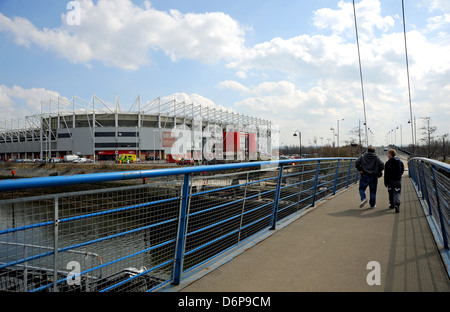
392, 152
371, 149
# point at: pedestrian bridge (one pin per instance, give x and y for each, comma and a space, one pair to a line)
283, 226
333, 248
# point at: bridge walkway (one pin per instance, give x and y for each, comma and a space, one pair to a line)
329, 248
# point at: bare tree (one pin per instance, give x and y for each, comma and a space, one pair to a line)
360, 137
431, 144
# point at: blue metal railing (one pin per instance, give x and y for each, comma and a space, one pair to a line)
432, 181
148, 235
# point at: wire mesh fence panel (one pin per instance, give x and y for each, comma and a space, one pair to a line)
428, 188
216, 212
432, 182
26, 242
102, 237
296, 186
260, 198
443, 191
326, 178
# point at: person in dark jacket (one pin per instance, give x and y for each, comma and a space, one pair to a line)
371, 168
394, 169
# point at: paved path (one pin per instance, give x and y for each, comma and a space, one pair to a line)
329, 249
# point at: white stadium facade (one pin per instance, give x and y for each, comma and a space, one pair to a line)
100, 131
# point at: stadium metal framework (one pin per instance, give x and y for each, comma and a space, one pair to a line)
101, 131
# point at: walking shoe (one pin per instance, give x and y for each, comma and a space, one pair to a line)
397, 209
371, 207
363, 202
391, 206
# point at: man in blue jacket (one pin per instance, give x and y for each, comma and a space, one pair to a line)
394, 169
371, 168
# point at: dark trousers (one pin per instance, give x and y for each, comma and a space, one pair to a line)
394, 190
372, 183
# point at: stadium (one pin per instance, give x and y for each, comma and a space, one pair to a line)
153, 130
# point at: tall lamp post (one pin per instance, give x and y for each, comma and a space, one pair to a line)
300, 138
395, 136
334, 136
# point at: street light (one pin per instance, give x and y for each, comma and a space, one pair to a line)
373, 135
395, 136
334, 139
300, 137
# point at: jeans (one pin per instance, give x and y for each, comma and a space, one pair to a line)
394, 190
371, 182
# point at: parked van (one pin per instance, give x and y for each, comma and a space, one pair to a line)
71, 158
126, 158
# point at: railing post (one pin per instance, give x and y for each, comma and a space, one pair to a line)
419, 178
316, 180
336, 177
441, 218
413, 168
424, 186
25, 269
243, 208
181, 235
277, 198
55, 244
356, 177
412, 171
300, 188
348, 174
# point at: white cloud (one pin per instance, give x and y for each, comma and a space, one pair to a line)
368, 13
319, 56
304, 55
17, 101
282, 100
241, 74
196, 99
330, 63
437, 5
233, 85
119, 33
277, 89
336, 20
439, 23
293, 109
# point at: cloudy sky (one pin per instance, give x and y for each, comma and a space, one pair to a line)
292, 62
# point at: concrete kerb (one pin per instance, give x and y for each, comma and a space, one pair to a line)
233, 252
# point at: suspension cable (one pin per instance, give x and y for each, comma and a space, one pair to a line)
409, 86
360, 74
